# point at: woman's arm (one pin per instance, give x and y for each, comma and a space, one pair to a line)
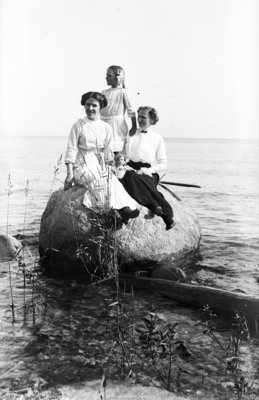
160, 158
69, 178
70, 155
161, 161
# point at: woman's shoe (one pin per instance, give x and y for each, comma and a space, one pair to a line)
169, 222
126, 214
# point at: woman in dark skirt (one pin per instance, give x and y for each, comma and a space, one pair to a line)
147, 156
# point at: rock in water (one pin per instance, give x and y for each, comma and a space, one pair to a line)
67, 227
9, 247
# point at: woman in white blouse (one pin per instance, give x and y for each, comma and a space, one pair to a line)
89, 150
147, 156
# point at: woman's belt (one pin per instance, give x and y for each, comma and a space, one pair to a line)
138, 165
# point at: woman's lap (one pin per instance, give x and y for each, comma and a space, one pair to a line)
143, 188
103, 190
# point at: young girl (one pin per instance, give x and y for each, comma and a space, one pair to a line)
120, 165
118, 104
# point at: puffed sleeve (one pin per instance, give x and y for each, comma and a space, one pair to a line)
128, 105
71, 150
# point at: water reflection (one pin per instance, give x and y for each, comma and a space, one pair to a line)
62, 333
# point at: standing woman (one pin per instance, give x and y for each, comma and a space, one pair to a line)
88, 153
118, 104
147, 156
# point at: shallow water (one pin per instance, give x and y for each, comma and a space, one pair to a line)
63, 335
60, 322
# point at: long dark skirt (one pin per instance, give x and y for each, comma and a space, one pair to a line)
143, 188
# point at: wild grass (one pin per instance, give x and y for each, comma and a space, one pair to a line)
28, 271
243, 381
152, 343
55, 173
9, 193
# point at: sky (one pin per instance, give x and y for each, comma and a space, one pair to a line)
196, 61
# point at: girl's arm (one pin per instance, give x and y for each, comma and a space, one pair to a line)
131, 113
133, 129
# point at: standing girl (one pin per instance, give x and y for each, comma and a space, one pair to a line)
118, 104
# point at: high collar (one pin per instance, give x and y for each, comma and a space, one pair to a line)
92, 120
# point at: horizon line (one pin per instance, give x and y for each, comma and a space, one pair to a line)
164, 137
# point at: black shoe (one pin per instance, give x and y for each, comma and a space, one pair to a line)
169, 222
134, 213
126, 214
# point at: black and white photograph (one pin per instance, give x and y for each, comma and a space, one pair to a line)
129, 203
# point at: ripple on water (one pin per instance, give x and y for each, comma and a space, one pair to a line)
70, 338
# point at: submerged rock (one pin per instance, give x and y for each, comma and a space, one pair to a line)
9, 247
74, 238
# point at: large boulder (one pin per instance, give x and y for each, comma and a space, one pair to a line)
74, 238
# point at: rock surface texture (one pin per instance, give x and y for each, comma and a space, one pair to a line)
67, 227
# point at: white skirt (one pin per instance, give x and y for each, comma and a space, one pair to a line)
103, 190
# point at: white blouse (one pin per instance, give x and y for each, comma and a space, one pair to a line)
88, 136
147, 148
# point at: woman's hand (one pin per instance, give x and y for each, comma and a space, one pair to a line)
68, 181
145, 171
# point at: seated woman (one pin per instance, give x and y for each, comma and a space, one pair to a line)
89, 150
146, 153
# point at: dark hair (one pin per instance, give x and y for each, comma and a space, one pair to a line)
95, 95
152, 112
118, 71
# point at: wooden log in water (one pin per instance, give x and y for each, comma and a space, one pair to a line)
222, 301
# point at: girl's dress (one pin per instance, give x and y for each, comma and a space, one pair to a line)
89, 146
114, 114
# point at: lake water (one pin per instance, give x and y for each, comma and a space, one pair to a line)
227, 205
